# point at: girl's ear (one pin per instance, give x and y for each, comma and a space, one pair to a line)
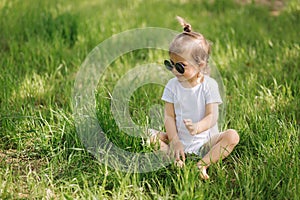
204, 68
202, 64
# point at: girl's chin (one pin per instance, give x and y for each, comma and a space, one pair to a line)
181, 78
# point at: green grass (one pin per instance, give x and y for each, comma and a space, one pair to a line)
42, 46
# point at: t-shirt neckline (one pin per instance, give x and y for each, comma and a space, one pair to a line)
192, 88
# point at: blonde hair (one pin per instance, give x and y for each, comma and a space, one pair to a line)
192, 42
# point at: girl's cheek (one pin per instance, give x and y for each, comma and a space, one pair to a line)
189, 73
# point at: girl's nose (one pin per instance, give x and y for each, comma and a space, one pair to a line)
174, 71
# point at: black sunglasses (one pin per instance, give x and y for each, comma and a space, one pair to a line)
178, 66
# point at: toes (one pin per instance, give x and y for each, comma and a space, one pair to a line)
203, 174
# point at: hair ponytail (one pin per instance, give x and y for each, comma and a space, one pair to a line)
186, 26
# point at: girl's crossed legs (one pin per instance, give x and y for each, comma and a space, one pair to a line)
221, 146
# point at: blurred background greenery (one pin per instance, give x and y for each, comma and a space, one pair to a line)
42, 45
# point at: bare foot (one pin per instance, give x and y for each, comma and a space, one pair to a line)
203, 173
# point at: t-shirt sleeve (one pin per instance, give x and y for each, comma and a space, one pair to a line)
212, 94
168, 95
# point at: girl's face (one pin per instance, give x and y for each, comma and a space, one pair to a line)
190, 71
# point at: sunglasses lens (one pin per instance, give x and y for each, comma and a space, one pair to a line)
179, 67
168, 65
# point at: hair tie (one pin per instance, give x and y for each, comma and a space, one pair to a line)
186, 26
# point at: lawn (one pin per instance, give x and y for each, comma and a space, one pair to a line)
43, 45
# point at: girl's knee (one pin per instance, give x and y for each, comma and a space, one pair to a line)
157, 135
163, 137
232, 136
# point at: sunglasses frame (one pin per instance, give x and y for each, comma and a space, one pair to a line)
169, 64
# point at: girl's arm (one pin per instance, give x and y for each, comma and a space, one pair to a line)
170, 124
210, 119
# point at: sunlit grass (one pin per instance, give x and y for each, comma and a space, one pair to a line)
42, 46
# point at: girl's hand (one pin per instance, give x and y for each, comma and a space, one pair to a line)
191, 127
177, 151
179, 163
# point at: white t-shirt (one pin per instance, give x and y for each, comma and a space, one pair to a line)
189, 103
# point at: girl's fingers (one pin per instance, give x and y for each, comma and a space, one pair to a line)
179, 163
187, 121
183, 156
189, 125
177, 156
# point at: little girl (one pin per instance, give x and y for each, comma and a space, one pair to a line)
191, 104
